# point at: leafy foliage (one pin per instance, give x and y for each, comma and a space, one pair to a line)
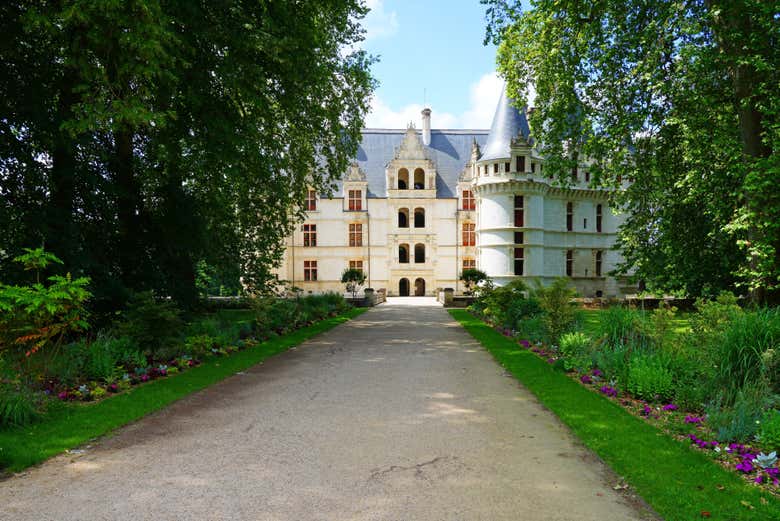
560, 313
471, 278
159, 145
649, 377
353, 278
18, 405
152, 324
769, 429
680, 99
576, 349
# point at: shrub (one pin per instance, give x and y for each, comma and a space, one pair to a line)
576, 351
661, 322
649, 377
18, 406
769, 430
471, 278
560, 313
619, 326
614, 362
107, 357
532, 329
498, 301
154, 325
745, 353
738, 422
199, 345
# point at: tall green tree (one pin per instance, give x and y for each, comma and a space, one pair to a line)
681, 98
139, 138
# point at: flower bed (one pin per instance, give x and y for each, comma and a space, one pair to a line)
756, 463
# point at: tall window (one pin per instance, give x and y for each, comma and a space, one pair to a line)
310, 235
495, 168
533, 167
519, 238
311, 200
419, 253
403, 179
598, 218
419, 179
468, 200
574, 173
469, 264
569, 217
469, 235
519, 211
309, 270
599, 261
519, 261
419, 217
507, 166
403, 253
403, 218
520, 164
355, 234
587, 176
355, 200
356, 265
569, 262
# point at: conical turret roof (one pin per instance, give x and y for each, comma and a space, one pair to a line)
508, 124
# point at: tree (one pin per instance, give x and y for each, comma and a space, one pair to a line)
353, 278
140, 138
472, 277
678, 97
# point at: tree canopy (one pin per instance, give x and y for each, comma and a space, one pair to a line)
143, 137
681, 98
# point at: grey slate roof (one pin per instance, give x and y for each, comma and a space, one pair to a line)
450, 150
508, 122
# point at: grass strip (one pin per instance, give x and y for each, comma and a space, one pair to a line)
76, 423
679, 483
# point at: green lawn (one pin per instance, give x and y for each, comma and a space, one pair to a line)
679, 483
73, 424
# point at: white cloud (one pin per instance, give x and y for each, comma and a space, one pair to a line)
378, 22
483, 98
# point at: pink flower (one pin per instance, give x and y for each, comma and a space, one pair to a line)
63, 395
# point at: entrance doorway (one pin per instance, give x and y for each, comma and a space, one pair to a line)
403, 287
419, 288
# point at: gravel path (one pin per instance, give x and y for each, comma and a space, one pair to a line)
396, 415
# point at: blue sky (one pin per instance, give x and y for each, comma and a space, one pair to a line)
434, 45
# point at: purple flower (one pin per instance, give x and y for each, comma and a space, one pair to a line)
773, 472
597, 373
646, 410
586, 379
693, 419
609, 391
670, 407
525, 343
63, 395
144, 377
551, 360
759, 479
745, 467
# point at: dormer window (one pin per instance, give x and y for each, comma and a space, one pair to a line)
355, 200
311, 201
520, 164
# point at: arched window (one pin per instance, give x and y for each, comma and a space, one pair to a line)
598, 218
419, 179
569, 217
403, 253
403, 179
419, 217
419, 253
403, 218
599, 261
403, 287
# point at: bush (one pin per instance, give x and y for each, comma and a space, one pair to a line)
560, 313
576, 351
649, 377
738, 422
199, 345
18, 406
614, 362
154, 325
532, 329
769, 430
108, 357
619, 326
745, 353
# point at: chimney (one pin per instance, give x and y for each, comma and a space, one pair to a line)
426, 127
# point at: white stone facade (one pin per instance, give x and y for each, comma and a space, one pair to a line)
397, 173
